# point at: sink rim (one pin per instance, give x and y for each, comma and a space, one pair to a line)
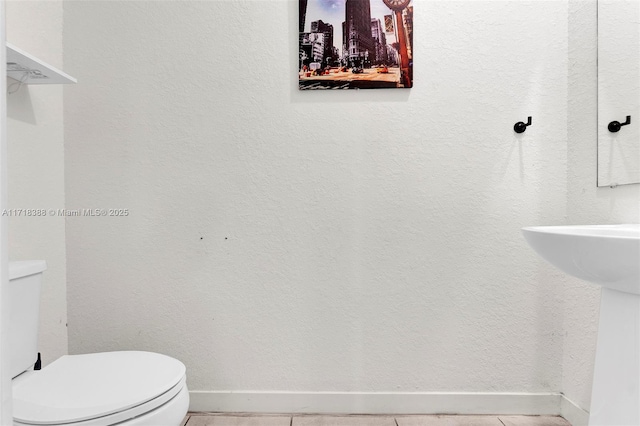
629, 231
606, 255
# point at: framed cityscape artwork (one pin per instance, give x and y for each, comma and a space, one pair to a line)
355, 44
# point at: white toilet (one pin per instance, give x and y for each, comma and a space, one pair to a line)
127, 388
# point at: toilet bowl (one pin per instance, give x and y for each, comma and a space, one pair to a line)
127, 388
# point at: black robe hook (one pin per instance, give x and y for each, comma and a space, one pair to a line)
520, 126
615, 126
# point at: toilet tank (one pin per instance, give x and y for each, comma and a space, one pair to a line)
25, 279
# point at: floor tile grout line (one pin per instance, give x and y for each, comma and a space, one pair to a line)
324, 416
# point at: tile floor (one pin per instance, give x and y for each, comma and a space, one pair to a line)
221, 419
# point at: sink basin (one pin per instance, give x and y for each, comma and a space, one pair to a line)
608, 255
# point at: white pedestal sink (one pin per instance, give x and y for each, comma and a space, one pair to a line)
607, 255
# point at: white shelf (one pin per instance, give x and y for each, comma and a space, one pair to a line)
20, 62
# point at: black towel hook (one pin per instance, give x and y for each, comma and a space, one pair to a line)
520, 126
615, 126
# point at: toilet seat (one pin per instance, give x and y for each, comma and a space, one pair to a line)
97, 389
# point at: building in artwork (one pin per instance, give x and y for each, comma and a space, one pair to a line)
407, 18
392, 55
326, 32
358, 43
312, 47
302, 10
380, 42
304, 51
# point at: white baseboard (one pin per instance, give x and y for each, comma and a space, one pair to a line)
572, 413
377, 403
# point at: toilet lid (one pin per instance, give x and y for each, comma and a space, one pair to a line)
80, 387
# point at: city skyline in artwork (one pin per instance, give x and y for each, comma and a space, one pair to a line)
355, 44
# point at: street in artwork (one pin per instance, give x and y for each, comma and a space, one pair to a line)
355, 44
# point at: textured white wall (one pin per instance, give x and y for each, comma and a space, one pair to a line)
36, 165
585, 202
286, 240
